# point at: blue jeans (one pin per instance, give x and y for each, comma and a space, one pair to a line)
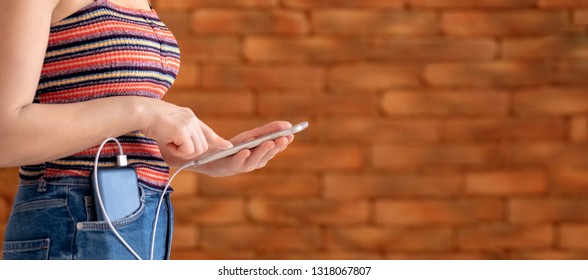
56, 220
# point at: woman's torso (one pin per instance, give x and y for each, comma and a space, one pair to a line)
106, 50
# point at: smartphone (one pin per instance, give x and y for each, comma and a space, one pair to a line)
250, 144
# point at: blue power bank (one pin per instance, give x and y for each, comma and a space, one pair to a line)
119, 190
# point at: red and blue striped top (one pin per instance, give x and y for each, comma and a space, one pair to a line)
106, 50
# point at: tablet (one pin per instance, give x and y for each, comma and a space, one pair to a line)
250, 144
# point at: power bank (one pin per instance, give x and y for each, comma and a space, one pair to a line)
119, 190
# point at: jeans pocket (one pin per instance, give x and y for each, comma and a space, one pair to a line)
99, 242
38, 205
37, 249
120, 223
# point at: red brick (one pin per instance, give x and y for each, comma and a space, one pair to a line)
399, 156
185, 237
546, 48
373, 76
471, 4
259, 238
262, 77
177, 22
319, 157
578, 129
5, 209
549, 154
224, 102
494, 74
449, 255
437, 212
350, 186
314, 49
296, 103
343, 3
432, 49
573, 237
571, 73
353, 21
190, 4
492, 129
452, 255
189, 76
547, 210
504, 23
396, 239
185, 184
266, 185
445, 102
370, 130
210, 48
506, 183
248, 21
9, 182
321, 255
571, 180
550, 255
305, 212
225, 254
504, 236
581, 16
562, 3
209, 211
550, 100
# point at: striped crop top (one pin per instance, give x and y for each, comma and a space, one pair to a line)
106, 50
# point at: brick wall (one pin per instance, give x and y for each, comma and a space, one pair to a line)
440, 129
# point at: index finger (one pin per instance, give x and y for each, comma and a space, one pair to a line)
214, 139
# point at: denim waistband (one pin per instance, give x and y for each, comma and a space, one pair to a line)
75, 181
64, 181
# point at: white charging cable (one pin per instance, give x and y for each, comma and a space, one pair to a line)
159, 206
121, 162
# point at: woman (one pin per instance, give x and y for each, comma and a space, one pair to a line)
73, 73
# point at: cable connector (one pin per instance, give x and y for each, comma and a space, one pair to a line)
121, 160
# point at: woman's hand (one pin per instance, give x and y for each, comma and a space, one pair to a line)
180, 135
249, 160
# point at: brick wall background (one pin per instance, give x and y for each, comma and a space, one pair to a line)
440, 129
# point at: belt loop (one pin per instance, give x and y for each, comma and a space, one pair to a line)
42, 187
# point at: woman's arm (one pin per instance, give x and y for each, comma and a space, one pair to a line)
33, 133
